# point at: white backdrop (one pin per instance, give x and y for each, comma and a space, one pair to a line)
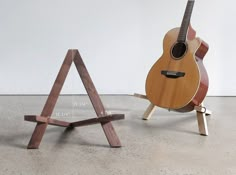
119, 41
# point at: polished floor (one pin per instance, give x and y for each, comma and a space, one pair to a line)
167, 144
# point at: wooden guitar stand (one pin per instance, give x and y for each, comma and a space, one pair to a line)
201, 115
45, 118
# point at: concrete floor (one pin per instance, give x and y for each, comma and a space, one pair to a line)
167, 144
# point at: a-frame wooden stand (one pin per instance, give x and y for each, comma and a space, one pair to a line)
200, 110
45, 118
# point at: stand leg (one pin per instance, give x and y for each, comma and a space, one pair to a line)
51, 101
149, 111
201, 118
96, 101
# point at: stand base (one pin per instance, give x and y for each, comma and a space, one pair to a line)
201, 112
44, 119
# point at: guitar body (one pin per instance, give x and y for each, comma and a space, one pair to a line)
182, 83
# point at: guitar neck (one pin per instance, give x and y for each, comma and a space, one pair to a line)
185, 22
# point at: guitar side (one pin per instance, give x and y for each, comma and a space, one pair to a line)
183, 93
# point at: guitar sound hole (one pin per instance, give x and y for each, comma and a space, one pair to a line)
178, 50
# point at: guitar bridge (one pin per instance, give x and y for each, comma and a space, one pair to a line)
172, 74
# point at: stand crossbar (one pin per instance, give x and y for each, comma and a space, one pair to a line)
49, 121
45, 118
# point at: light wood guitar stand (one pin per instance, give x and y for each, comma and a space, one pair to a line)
44, 119
200, 110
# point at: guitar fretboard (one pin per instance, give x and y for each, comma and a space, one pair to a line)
185, 22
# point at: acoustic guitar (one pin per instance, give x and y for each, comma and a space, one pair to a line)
178, 80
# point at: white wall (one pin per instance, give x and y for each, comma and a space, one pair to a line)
119, 41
